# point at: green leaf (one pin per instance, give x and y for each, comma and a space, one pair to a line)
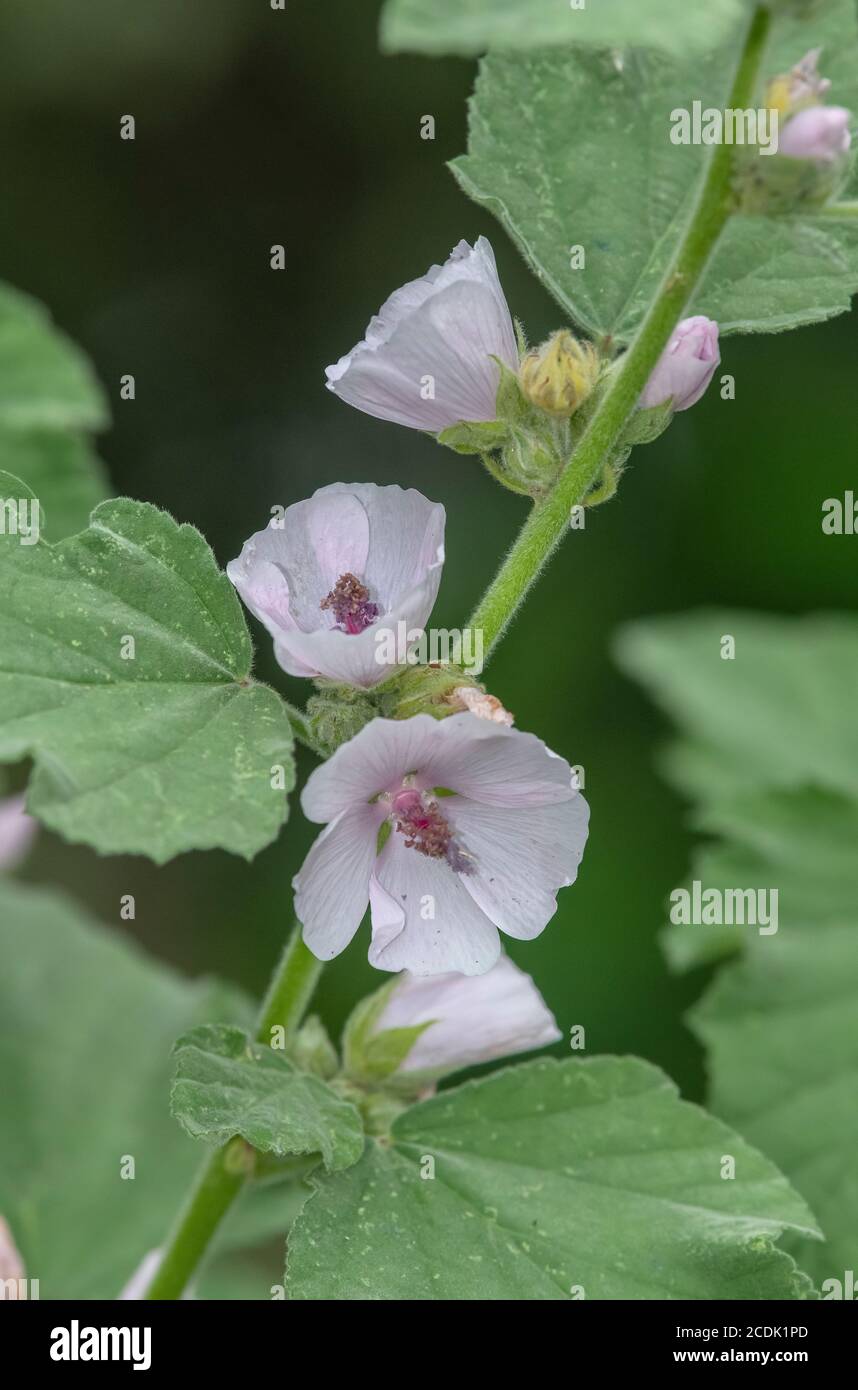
169, 750
45, 381
801, 843
469, 27
62, 471
48, 395
781, 1030
87, 1022
225, 1084
755, 718
720, 867
569, 147
548, 1178
805, 838
781, 1023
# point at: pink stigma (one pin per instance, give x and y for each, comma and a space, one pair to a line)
426, 829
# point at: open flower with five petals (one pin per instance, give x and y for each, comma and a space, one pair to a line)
428, 358
450, 830
338, 571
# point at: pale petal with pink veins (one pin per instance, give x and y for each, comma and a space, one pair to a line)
406, 884
472, 1019
520, 860
389, 538
375, 760
332, 887
427, 360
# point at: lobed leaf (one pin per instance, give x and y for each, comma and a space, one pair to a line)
225, 1084
164, 750
551, 1181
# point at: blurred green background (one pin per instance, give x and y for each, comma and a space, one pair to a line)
256, 127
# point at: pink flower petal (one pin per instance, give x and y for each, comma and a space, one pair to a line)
391, 539
472, 1018
495, 857
374, 760
448, 326
486, 762
686, 366
820, 133
521, 858
406, 887
332, 887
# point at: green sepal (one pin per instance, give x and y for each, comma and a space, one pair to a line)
778, 185
378, 1108
384, 1054
423, 690
642, 427
359, 1026
646, 424
474, 436
370, 1057
511, 404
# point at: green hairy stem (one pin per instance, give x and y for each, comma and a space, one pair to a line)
549, 519
223, 1174
221, 1178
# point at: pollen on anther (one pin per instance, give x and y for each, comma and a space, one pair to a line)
350, 604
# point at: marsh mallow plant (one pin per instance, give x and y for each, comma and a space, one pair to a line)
443, 828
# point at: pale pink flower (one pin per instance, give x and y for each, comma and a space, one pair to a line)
686, 366
339, 571
17, 830
820, 133
427, 358
483, 825
471, 1018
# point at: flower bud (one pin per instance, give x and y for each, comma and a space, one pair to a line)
421, 1028
432, 355
686, 366
336, 578
560, 374
820, 133
801, 87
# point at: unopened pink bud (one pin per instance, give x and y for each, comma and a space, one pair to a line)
686, 366
820, 133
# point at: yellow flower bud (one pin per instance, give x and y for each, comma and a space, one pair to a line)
797, 89
779, 95
560, 374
